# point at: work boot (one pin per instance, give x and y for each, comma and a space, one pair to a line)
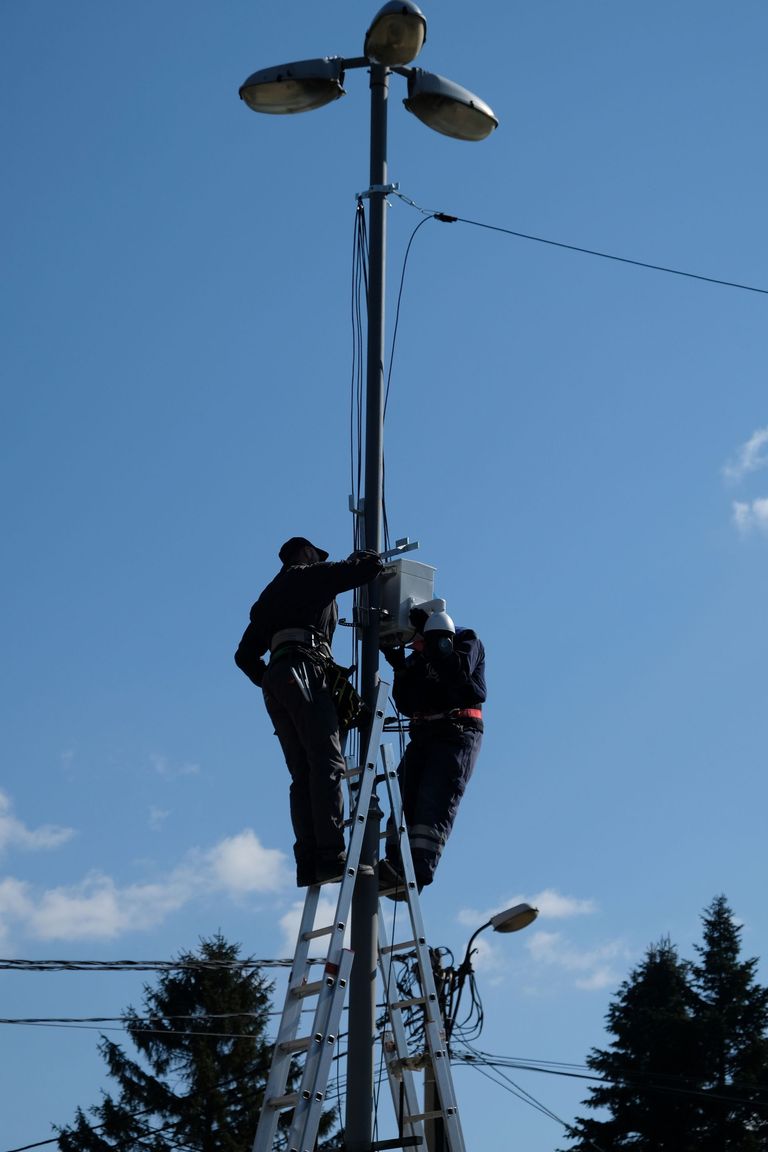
330, 869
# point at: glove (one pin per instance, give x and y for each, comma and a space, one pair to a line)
418, 618
363, 554
395, 657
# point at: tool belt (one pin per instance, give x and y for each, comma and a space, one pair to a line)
454, 714
287, 640
304, 637
349, 705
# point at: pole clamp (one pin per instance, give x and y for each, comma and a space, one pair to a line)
381, 189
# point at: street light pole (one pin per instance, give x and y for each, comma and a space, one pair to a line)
364, 929
394, 39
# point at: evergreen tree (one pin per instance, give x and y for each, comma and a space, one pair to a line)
651, 1070
732, 1014
204, 1061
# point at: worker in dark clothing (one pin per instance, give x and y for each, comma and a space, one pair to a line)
294, 620
440, 686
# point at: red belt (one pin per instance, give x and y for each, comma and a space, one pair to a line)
456, 714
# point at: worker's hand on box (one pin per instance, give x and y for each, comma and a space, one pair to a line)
418, 618
365, 554
395, 657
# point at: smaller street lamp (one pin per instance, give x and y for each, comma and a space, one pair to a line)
510, 920
450, 985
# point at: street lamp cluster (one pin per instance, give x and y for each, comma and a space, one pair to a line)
394, 39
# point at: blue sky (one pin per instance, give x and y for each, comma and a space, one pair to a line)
580, 447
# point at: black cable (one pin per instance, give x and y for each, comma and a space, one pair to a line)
606, 255
445, 218
647, 1080
397, 307
139, 965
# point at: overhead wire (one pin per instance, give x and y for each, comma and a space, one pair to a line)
21, 965
451, 219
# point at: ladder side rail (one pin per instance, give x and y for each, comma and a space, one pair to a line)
287, 1031
308, 1112
288, 1027
366, 783
398, 1069
309, 1108
433, 1023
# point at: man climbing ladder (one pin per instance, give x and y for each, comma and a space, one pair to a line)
294, 619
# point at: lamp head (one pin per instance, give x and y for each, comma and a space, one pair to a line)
447, 107
513, 919
297, 87
397, 35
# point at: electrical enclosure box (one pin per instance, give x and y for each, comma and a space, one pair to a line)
405, 584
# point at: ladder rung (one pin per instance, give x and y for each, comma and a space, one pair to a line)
421, 1116
398, 1142
311, 989
280, 1102
300, 1044
409, 1003
404, 944
319, 932
399, 888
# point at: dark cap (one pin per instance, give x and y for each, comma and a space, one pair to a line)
291, 546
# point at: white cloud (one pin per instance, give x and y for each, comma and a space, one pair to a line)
290, 922
242, 864
752, 516
551, 904
164, 767
592, 968
98, 908
15, 834
157, 817
555, 906
750, 457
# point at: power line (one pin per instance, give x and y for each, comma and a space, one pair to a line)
142, 965
445, 218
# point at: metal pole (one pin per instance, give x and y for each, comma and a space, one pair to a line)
364, 929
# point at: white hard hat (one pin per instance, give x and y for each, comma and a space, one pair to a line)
439, 622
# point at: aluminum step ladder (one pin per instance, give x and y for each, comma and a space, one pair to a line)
318, 1044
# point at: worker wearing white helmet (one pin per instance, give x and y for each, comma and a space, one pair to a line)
440, 687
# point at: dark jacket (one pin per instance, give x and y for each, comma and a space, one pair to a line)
424, 686
301, 596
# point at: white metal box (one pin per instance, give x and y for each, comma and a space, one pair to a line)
404, 585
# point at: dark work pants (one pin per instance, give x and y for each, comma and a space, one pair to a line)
308, 731
433, 774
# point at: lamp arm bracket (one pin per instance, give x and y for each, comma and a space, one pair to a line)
377, 189
404, 545
355, 62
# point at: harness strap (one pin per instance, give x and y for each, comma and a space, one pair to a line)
307, 637
454, 714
